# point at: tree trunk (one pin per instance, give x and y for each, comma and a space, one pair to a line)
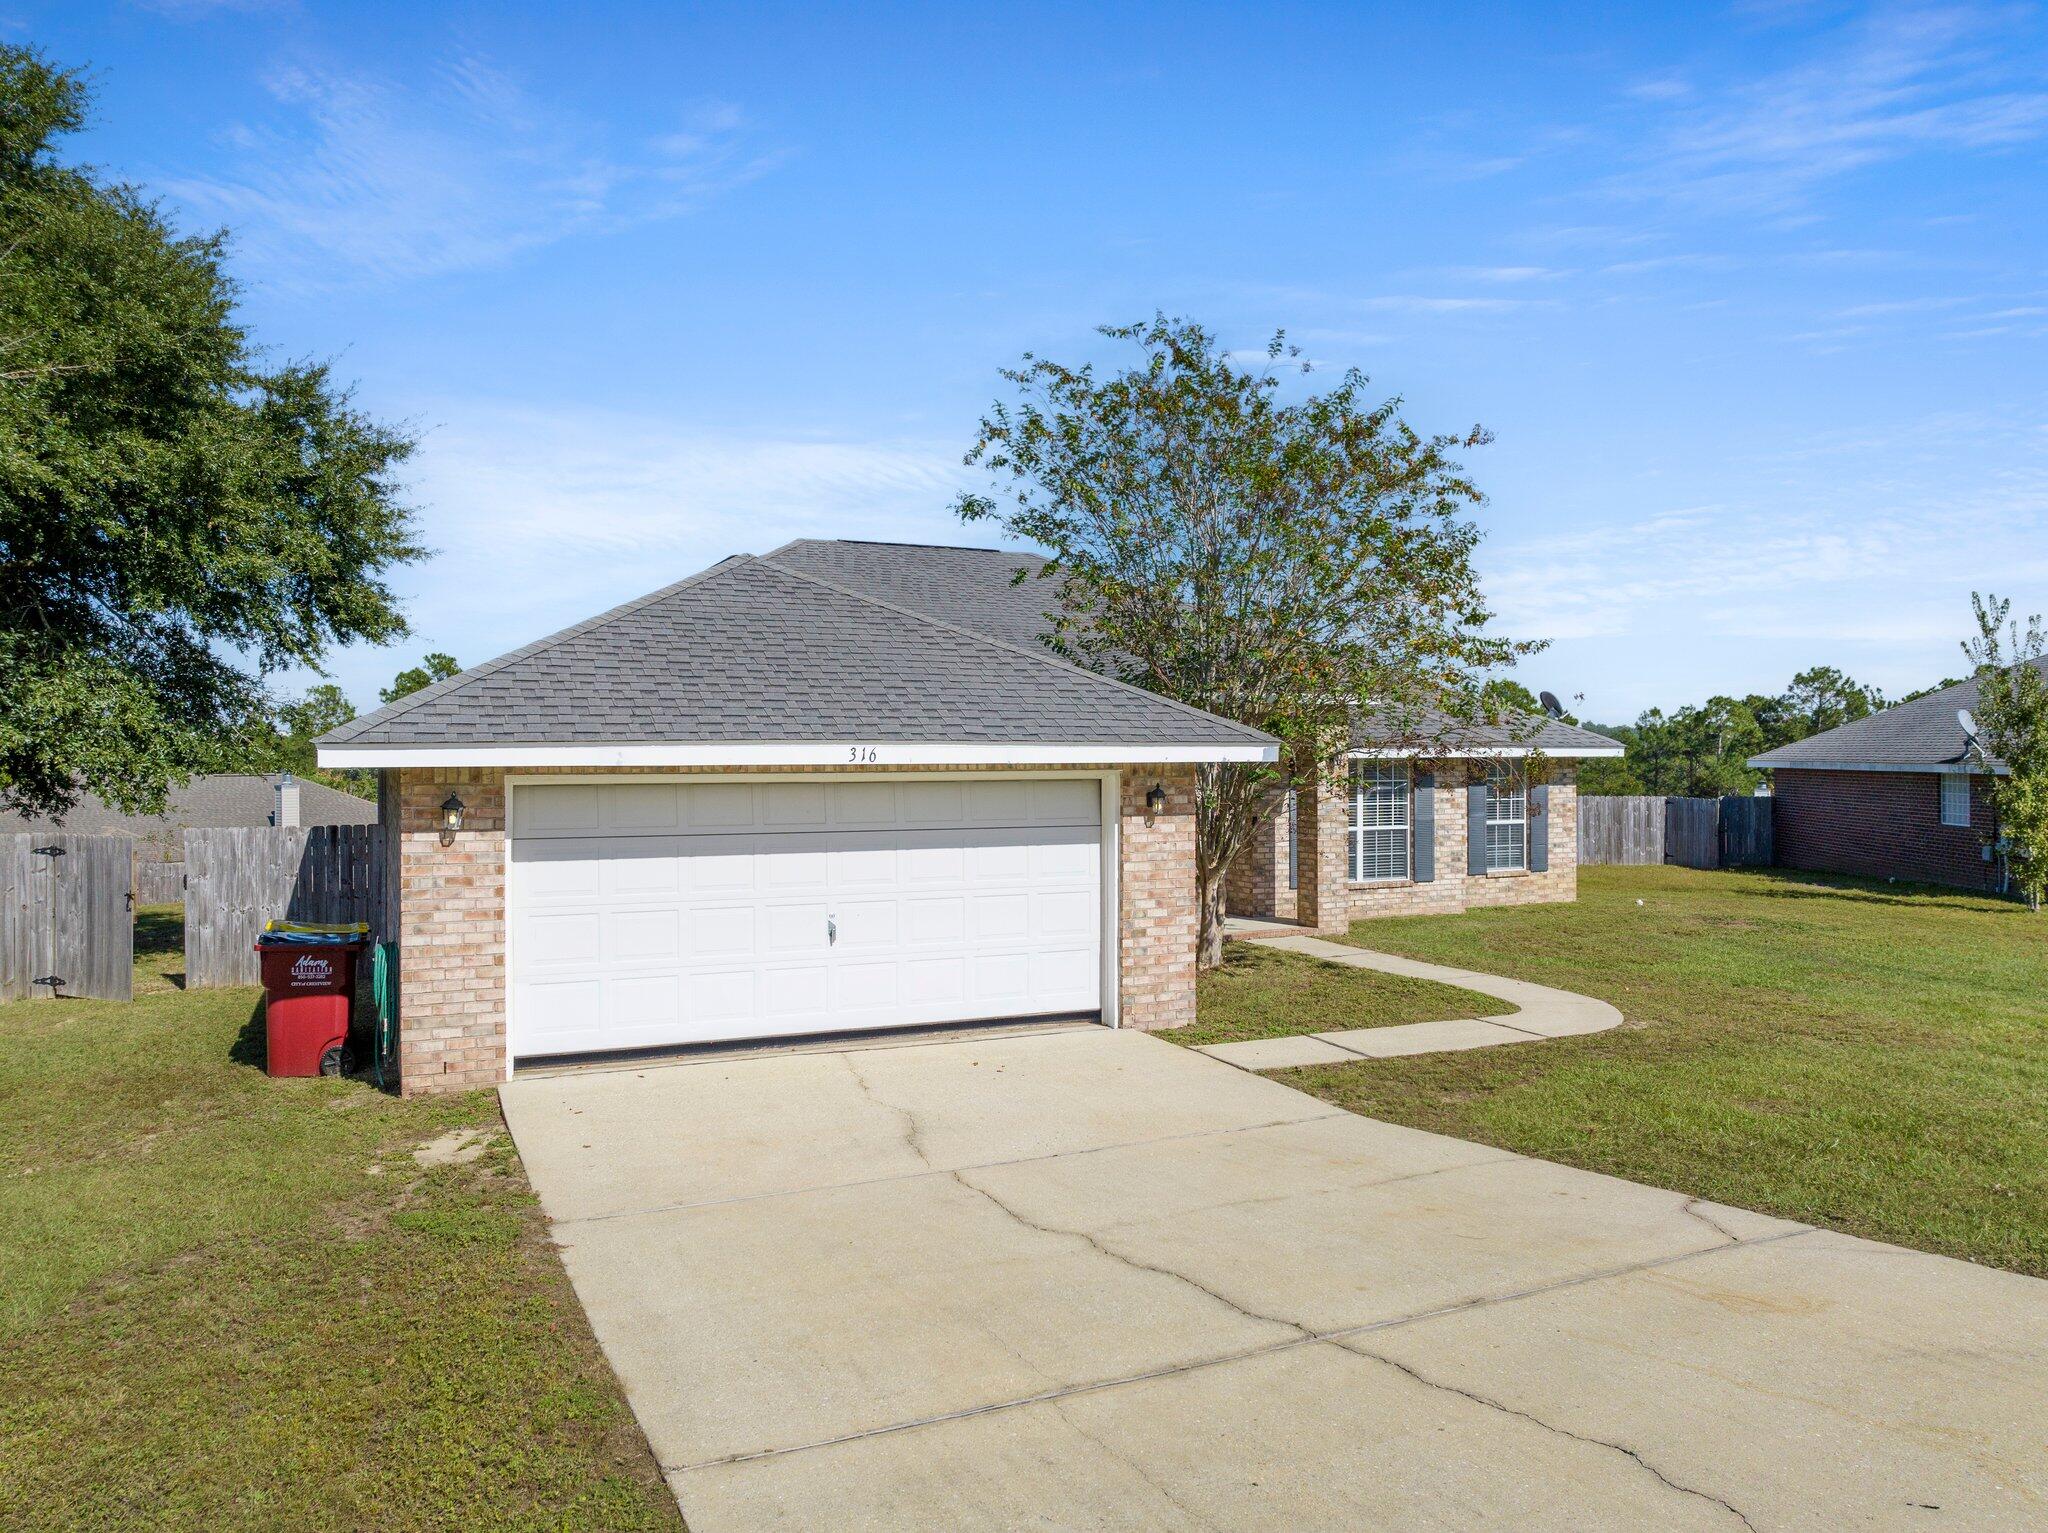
1209, 946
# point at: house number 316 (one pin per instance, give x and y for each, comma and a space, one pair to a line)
860, 753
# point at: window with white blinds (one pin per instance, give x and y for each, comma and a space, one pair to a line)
1507, 820
1955, 798
1379, 820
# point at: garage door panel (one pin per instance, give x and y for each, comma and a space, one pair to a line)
1065, 801
854, 804
562, 937
934, 922
998, 801
719, 806
644, 936
999, 918
795, 993
795, 928
1063, 914
931, 803
793, 806
631, 808
559, 811
867, 924
869, 867
721, 931
648, 914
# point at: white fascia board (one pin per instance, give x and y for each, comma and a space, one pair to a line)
786, 753
1940, 768
1475, 753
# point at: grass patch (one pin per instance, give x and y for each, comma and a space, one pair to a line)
1263, 992
1854, 1055
233, 1302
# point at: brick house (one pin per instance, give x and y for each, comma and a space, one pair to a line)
837, 787
1900, 794
1435, 817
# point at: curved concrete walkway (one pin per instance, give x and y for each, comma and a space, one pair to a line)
1543, 1013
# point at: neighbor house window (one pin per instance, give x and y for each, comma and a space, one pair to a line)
1955, 798
1379, 820
1507, 821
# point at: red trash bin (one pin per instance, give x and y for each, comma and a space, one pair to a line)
309, 985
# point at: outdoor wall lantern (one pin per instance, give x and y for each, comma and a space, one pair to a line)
451, 818
1155, 802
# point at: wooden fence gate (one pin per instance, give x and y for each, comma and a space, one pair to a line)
239, 877
1644, 829
67, 923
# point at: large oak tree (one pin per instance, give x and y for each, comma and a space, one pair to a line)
1284, 562
179, 516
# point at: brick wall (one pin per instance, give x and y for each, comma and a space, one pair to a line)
1452, 889
1880, 825
1159, 919
451, 902
1257, 882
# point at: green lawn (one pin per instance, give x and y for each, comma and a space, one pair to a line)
1865, 1057
233, 1302
1262, 992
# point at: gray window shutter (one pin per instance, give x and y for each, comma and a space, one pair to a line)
1423, 817
1539, 828
1475, 829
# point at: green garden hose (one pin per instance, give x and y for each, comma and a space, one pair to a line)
384, 992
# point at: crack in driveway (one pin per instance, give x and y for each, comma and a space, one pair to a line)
913, 1133
1549, 1426
1131, 1261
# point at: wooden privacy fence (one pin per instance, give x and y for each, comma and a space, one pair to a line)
1637, 829
238, 878
66, 922
159, 883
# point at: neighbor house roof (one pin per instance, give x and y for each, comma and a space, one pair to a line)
1921, 736
1430, 732
756, 662
225, 799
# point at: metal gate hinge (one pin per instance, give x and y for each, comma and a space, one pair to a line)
49, 851
54, 981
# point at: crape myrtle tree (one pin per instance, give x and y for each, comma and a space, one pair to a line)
179, 517
1280, 562
2012, 717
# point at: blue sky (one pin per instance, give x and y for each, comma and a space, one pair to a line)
1754, 299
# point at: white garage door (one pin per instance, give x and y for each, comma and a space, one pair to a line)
651, 913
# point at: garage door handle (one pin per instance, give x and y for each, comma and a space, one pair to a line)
831, 931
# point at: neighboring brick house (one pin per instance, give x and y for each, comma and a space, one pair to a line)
835, 788
1437, 817
1900, 794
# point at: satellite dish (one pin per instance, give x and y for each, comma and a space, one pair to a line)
1551, 705
1968, 721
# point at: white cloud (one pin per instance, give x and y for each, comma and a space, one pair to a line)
569, 512
1902, 81
359, 178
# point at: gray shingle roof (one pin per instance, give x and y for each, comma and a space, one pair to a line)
225, 799
755, 651
1429, 732
1923, 734
973, 588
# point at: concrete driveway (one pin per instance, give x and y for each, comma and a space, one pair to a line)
1088, 1279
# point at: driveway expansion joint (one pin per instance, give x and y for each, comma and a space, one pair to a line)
1244, 1354
912, 1176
